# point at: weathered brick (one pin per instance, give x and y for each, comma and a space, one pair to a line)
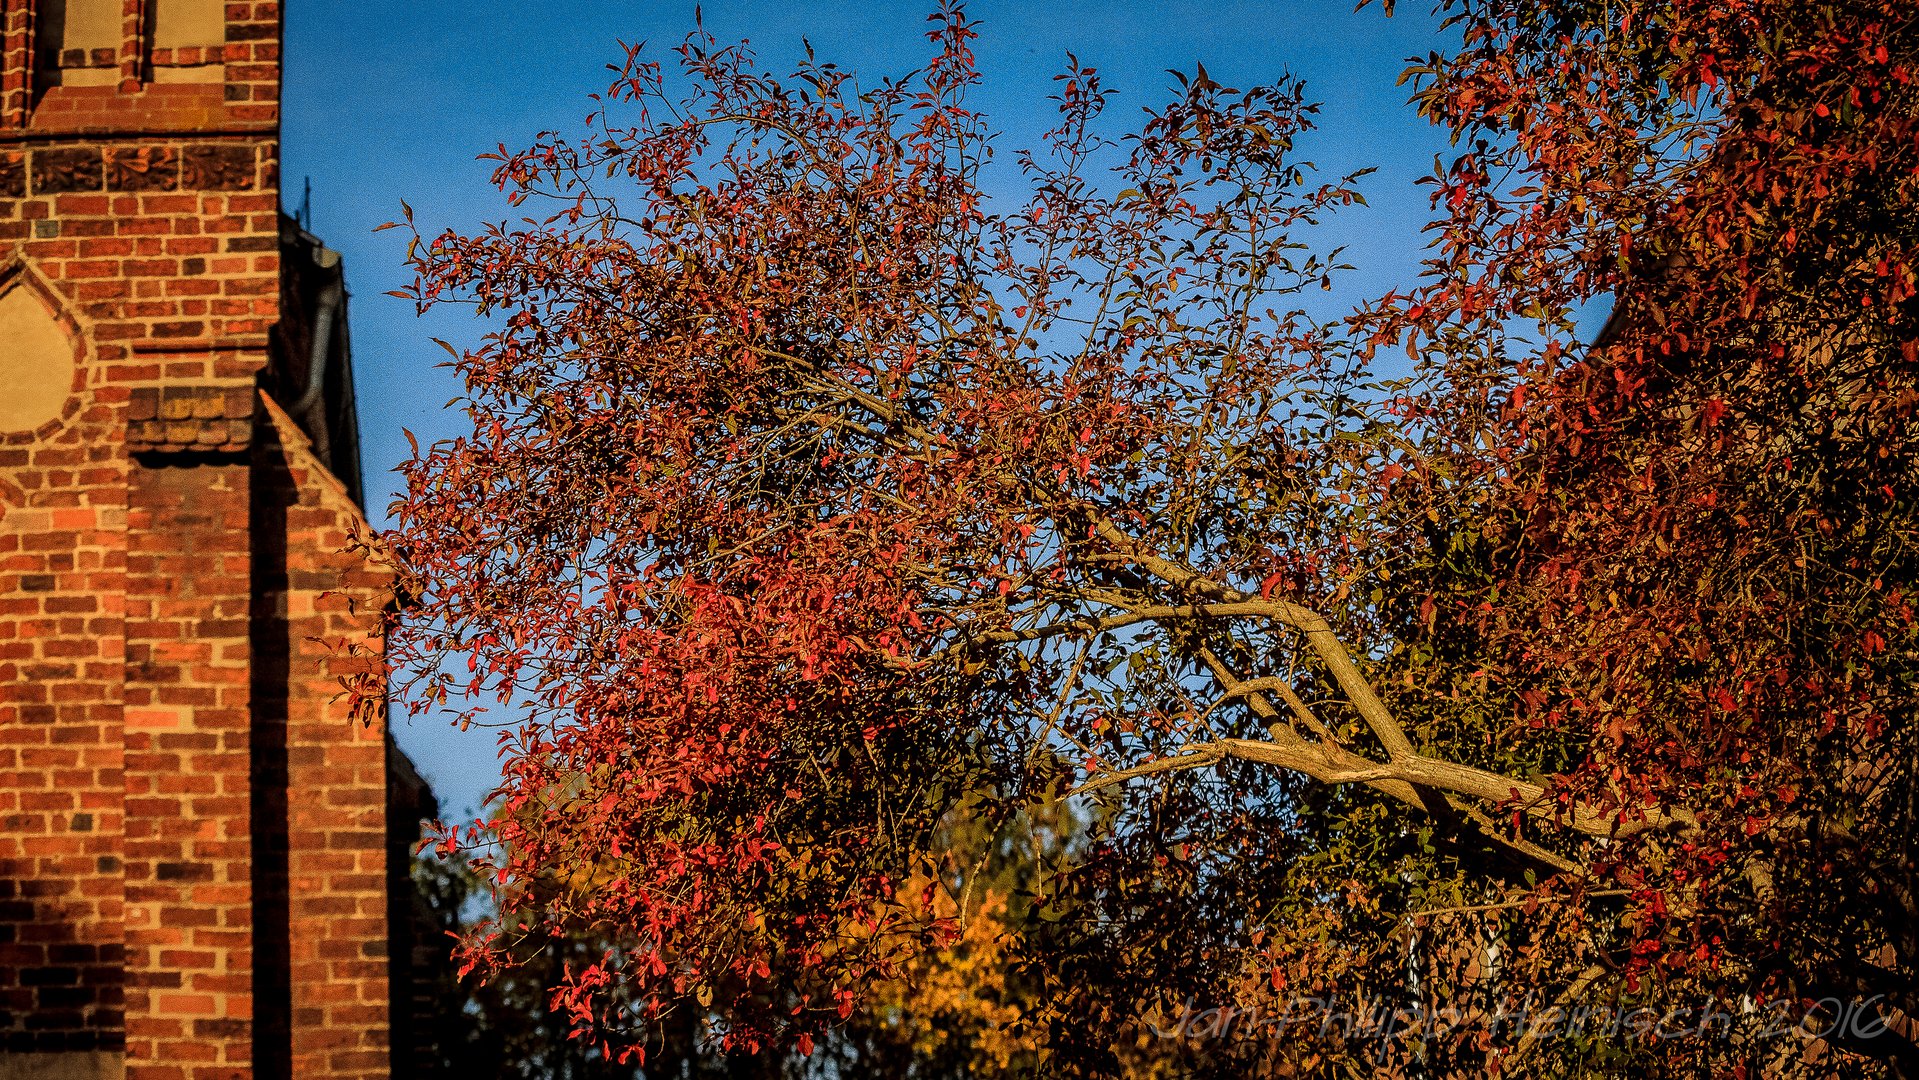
163, 560
67, 168
13, 174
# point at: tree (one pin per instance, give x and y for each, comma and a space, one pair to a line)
960, 1010
1690, 565
813, 496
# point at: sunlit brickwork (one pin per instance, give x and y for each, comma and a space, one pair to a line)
195, 863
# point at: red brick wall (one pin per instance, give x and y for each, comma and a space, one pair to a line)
193, 850
187, 722
336, 826
63, 547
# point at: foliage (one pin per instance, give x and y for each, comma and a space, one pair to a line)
502, 1027
814, 497
957, 1011
1682, 574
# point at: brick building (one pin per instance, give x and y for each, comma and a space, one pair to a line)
202, 856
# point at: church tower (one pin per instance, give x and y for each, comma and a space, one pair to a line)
202, 856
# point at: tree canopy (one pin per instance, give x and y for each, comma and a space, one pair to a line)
1427, 659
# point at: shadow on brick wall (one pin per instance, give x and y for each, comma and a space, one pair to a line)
272, 492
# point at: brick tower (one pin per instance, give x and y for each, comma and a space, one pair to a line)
201, 855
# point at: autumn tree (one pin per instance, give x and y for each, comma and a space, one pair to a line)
1428, 656
966, 1008
1678, 564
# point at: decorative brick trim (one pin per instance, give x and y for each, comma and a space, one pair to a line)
67, 169
188, 418
13, 174
143, 168
133, 45
218, 167
16, 61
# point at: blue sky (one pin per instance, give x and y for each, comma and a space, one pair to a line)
386, 102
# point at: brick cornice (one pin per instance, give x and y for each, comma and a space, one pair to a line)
189, 418
94, 135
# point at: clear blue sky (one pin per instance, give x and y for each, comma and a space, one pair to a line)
389, 101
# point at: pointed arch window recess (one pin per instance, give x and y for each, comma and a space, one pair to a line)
38, 365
